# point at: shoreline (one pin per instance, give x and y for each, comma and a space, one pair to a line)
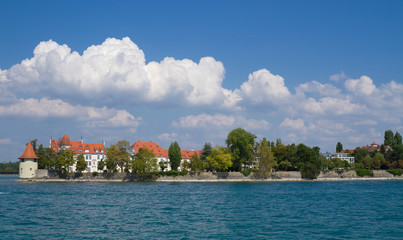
179, 180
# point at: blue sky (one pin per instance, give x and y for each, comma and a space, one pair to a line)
316, 72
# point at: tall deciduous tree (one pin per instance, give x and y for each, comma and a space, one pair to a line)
240, 143
309, 161
123, 155
47, 158
64, 162
339, 147
175, 156
265, 156
144, 164
196, 164
219, 159
397, 139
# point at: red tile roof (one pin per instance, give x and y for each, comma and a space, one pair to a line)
78, 147
28, 153
65, 140
159, 152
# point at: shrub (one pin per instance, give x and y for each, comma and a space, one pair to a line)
364, 172
246, 172
94, 174
395, 172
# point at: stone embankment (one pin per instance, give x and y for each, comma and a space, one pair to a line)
221, 177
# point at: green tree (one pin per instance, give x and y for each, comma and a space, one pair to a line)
219, 159
379, 159
101, 165
339, 147
196, 164
144, 164
206, 151
241, 144
81, 164
388, 140
265, 156
64, 162
359, 154
47, 158
111, 158
163, 165
397, 139
367, 161
309, 162
175, 156
123, 155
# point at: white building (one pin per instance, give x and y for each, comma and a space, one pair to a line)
341, 156
93, 152
28, 163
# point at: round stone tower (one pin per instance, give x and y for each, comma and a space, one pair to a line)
28, 163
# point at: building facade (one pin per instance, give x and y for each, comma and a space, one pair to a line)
93, 152
28, 163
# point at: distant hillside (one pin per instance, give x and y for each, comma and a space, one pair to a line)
9, 168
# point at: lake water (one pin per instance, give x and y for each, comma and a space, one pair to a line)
276, 210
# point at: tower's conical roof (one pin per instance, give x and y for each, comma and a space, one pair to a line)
65, 140
29, 152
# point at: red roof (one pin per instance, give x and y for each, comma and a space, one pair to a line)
65, 140
78, 147
159, 152
29, 152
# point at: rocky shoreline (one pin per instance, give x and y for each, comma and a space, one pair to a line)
224, 177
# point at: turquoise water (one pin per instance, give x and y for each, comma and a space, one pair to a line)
279, 210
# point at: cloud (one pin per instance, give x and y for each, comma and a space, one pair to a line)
96, 117
116, 72
362, 86
168, 137
264, 87
5, 141
319, 88
220, 121
338, 76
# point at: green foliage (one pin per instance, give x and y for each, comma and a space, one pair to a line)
9, 168
388, 140
81, 164
175, 156
196, 164
339, 147
206, 151
364, 172
397, 139
220, 159
95, 174
101, 165
240, 143
309, 161
144, 164
284, 166
64, 162
163, 165
118, 155
47, 157
395, 172
367, 161
359, 154
246, 172
264, 155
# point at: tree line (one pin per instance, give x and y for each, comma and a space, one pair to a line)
241, 153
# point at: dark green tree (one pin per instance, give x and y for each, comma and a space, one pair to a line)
397, 139
144, 164
175, 156
47, 158
388, 140
359, 154
64, 162
123, 156
241, 145
81, 164
206, 151
339, 147
309, 161
101, 165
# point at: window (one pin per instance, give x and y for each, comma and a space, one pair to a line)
94, 163
87, 151
102, 151
88, 163
96, 151
98, 157
79, 150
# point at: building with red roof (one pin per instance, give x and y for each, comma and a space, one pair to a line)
162, 154
93, 152
28, 162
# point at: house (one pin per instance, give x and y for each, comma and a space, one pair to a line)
93, 152
162, 154
370, 148
342, 156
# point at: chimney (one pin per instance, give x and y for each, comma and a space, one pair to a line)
82, 140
